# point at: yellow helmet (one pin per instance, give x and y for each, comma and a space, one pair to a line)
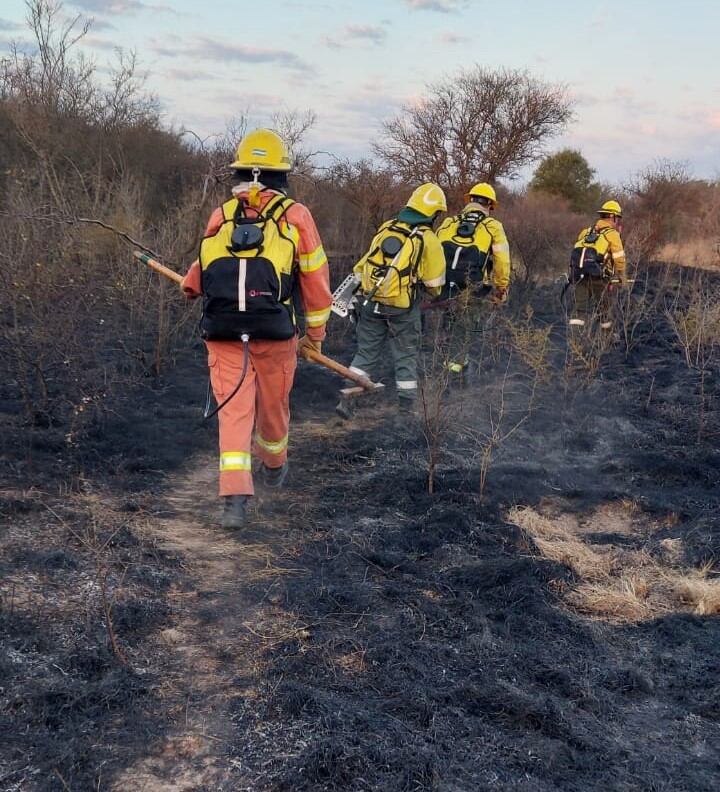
611, 207
483, 190
428, 199
263, 149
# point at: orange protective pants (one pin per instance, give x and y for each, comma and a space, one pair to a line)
262, 403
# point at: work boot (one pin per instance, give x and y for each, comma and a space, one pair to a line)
275, 477
343, 410
406, 408
234, 514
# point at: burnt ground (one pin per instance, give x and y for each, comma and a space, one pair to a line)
362, 634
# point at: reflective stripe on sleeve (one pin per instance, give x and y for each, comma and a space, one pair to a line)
618, 253
317, 318
501, 247
435, 281
235, 460
406, 384
272, 447
309, 262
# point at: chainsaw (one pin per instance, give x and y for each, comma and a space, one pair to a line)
344, 295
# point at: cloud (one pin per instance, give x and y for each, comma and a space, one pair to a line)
6, 24
369, 34
370, 103
216, 50
101, 24
373, 33
116, 7
453, 38
626, 98
189, 75
100, 43
250, 104
443, 6
713, 119
24, 46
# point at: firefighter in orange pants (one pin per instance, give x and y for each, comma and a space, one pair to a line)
257, 245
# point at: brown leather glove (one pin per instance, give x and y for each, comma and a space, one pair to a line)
499, 296
306, 343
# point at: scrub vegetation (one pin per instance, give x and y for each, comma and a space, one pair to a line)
518, 591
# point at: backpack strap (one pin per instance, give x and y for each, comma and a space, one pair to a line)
414, 262
274, 209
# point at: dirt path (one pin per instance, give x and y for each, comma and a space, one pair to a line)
226, 616
211, 643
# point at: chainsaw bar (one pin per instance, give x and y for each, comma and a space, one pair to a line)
343, 295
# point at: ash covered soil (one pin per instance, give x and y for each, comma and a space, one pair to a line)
557, 631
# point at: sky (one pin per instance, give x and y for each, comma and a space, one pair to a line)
643, 75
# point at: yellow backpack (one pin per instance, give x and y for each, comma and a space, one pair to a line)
247, 269
389, 269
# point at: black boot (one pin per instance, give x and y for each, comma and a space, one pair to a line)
406, 408
234, 513
274, 477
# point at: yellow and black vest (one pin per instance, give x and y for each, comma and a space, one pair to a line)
466, 243
247, 270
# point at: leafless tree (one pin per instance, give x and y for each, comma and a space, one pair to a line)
481, 124
293, 127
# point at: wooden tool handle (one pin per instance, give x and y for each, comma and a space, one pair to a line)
158, 267
338, 368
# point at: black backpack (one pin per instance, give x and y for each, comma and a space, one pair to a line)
586, 259
465, 263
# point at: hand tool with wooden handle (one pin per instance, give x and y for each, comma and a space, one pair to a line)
158, 267
364, 383
310, 354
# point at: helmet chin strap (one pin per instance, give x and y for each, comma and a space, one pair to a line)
255, 186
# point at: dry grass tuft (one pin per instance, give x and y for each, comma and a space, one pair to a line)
616, 583
624, 602
703, 595
585, 562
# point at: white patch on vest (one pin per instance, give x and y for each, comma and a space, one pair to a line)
242, 272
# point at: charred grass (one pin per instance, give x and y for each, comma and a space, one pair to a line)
557, 633
84, 591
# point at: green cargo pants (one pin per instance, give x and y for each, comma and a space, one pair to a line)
400, 328
466, 315
592, 297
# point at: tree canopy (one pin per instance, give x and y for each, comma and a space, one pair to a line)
479, 125
568, 175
